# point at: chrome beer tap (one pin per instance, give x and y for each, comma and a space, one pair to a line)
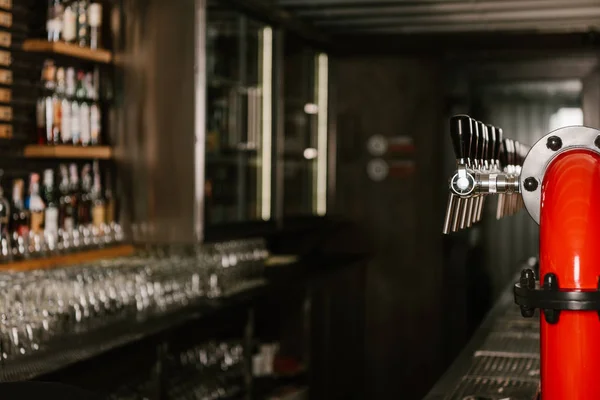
486, 163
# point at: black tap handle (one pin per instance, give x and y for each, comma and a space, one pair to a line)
460, 133
472, 143
494, 146
505, 153
477, 143
482, 143
511, 153
499, 139
486, 141
502, 155
517, 150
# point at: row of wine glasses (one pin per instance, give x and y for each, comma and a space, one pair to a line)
43, 244
208, 371
237, 264
38, 307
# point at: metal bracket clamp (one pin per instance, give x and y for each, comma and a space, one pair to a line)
543, 152
551, 299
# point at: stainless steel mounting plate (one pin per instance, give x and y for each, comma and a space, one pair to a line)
540, 156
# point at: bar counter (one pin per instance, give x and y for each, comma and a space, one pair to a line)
500, 362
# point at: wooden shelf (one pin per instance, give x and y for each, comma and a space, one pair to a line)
69, 259
65, 151
67, 49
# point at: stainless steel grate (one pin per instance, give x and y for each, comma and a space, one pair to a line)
520, 325
505, 366
513, 342
475, 388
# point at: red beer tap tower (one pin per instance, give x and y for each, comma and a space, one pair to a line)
558, 182
560, 185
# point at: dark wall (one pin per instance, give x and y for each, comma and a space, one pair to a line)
402, 215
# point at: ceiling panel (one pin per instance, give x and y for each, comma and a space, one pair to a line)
440, 16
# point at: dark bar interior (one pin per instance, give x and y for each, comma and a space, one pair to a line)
299, 199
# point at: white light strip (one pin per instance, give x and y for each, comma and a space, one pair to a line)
322, 102
200, 121
266, 148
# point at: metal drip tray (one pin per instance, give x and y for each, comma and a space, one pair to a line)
501, 362
503, 365
480, 388
513, 342
520, 325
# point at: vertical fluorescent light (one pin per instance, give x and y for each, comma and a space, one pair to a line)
266, 148
322, 102
200, 120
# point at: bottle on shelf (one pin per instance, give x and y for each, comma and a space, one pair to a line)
65, 209
95, 21
74, 197
88, 85
70, 83
35, 204
99, 227
84, 121
75, 123
19, 221
83, 26
95, 125
5, 239
56, 120
85, 204
57, 107
55, 20
49, 75
51, 211
96, 84
60, 85
110, 205
66, 123
70, 23
80, 91
41, 121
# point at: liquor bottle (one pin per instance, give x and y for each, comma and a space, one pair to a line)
95, 21
54, 21
95, 125
35, 204
60, 81
56, 120
66, 211
80, 91
70, 24
5, 240
51, 203
49, 125
70, 82
85, 204
98, 204
75, 123
49, 75
88, 84
110, 205
96, 83
19, 220
74, 196
66, 124
84, 120
83, 27
40, 118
